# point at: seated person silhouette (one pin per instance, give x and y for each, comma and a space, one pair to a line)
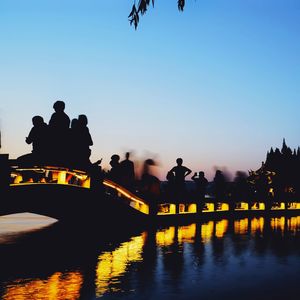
59, 127
38, 137
59, 119
114, 173
201, 185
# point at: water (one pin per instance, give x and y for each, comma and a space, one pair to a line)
245, 258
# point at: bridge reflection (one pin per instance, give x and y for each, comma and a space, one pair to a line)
113, 266
59, 286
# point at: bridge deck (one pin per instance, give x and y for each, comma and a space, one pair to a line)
69, 177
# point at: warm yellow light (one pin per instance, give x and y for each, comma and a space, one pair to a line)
294, 205
241, 226
257, 224
278, 206
61, 177
293, 225
187, 208
258, 206
208, 207
181, 208
166, 209
207, 230
112, 265
52, 175
165, 237
192, 208
144, 208
187, 233
86, 183
221, 228
222, 207
242, 206
278, 224
109, 184
59, 286
134, 201
18, 179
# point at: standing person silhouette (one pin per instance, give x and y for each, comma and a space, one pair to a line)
150, 186
73, 148
127, 171
59, 126
219, 186
180, 172
84, 141
201, 185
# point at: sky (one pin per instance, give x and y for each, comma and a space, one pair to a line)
217, 84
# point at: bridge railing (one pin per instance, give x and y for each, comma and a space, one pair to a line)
210, 207
65, 176
49, 175
133, 200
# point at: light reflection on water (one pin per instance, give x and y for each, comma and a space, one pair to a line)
58, 286
236, 258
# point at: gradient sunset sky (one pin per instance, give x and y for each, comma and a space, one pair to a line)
217, 85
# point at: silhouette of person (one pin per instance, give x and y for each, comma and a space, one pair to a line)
201, 185
127, 171
59, 119
150, 186
241, 188
219, 185
73, 148
114, 173
170, 188
38, 137
59, 128
84, 141
180, 172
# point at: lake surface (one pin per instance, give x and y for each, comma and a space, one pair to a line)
244, 258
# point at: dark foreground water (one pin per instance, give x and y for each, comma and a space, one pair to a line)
245, 258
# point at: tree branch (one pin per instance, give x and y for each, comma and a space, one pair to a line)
136, 12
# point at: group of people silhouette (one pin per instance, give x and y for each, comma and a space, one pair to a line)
150, 186
176, 186
122, 172
61, 141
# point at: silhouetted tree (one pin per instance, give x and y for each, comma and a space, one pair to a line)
279, 174
142, 7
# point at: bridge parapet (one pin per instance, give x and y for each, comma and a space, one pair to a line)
49, 175
69, 177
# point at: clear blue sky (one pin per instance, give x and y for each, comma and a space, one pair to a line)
217, 85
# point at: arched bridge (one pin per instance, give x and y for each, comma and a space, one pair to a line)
65, 193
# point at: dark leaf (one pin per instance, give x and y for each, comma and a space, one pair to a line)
181, 4
133, 11
142, 7
134, 17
